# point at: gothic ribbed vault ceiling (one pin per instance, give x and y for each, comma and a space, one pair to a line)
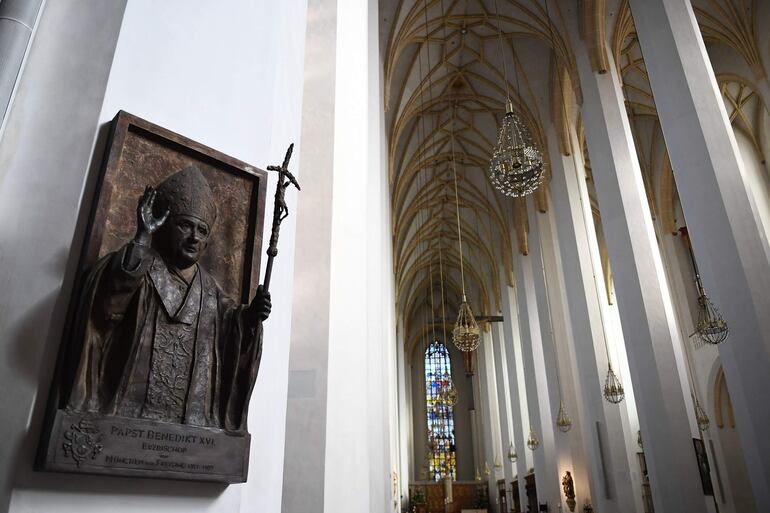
444, 90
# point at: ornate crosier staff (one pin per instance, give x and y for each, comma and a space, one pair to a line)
280, 210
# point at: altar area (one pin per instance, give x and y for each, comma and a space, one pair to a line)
466, 497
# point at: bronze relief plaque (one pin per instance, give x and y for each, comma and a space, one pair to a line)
164, 337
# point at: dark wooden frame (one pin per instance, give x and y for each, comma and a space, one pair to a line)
121, 126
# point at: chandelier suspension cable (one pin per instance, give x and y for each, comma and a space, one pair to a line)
457, 207
445, 395
710, 327
433, 139
563, 421
550, 319
432, 299
557, 69
441, 275
420, 175
452, 144
502, 59
701, 417
451, 395
465, 334
613, 388
542, 261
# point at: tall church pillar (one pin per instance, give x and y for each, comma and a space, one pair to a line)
541, 383
613, 480
555, 442
722, 219
538, 356
570, 450
503, 401
490, 417
643, 298
517, 387
337, 455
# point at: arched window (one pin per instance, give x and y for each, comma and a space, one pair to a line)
441, 420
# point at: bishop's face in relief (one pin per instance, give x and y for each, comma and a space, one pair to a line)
161, 340
184, 240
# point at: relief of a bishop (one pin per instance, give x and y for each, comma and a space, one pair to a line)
161, 340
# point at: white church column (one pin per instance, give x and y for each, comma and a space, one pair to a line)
611, 475
17, 22
405, 443
490, 417
722, 219
338, 376
643, 298
555, 443
517, 388
570, 449
539, 384
503, 401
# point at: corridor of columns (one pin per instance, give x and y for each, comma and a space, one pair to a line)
570, 316
650, 116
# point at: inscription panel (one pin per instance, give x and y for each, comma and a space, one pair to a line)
139, 447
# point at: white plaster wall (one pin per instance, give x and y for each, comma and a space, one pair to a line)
229, 75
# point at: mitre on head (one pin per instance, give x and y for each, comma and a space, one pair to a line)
187, 192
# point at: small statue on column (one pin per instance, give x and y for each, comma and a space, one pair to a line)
569, 490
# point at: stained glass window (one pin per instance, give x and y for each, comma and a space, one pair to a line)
441, 420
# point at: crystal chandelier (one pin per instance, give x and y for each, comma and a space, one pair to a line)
512, 456
613, 389
516, 168
465, 334
700, 417
563, 422
532, 442
711, 328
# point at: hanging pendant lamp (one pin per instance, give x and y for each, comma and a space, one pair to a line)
516, 168
512, 456
711, 328
466, 332
563, 422
700, 417
613, 389
533, 442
